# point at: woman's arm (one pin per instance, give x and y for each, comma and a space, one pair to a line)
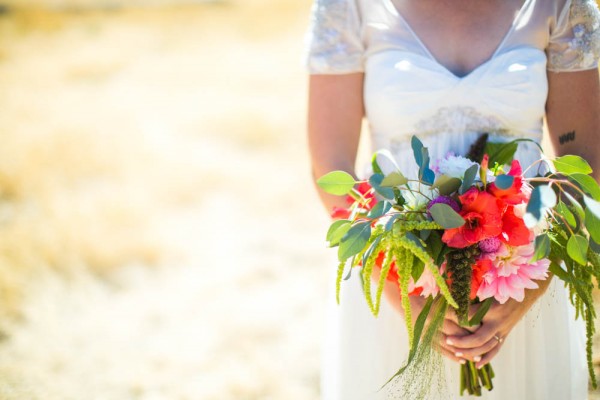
573, 117
335, 113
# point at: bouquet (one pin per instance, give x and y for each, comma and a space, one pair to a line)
467, 230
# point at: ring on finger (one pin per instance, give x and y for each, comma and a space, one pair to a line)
498, 338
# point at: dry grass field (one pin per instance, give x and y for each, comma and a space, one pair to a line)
159, 234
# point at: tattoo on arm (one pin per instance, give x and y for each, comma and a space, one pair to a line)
567, 137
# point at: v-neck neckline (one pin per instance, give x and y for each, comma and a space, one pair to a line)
499, 47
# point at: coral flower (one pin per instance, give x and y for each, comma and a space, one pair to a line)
514, 230
514, 194
483, 220
425, 286
480, 268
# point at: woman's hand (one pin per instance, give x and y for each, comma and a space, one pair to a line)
486, 341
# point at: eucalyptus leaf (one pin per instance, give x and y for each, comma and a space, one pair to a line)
386, 162
504, 182
379, 209
575, 205
446, 185
375, 181
354, 240
338, 183
562, 209
577, 248
571, 164
542, 248
592, 224
390, 223
444, 215
394, 179
417, 147
592, 205
337, 230
542, 199
469, 178
588, 184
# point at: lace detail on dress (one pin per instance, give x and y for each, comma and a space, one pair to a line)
583, 48
334, 43
459, 119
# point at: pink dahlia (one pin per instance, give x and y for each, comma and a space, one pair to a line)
511, 273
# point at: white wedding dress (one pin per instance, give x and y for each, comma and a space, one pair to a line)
407, 92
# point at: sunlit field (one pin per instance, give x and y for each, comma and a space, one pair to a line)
160, 237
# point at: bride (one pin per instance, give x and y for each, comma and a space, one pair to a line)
447, 71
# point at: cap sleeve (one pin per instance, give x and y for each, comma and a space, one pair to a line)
333, 41
575, 41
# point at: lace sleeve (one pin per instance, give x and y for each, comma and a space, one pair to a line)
575, 42
334, 44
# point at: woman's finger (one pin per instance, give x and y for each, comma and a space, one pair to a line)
451, 328
474, 340
449, 354
475, 354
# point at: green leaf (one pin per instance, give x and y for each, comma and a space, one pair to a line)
354, 240
375, 165
542, 198
379, 209
338, 183
570, 164
577, 248
542, 248
588, 184
592, 205
592, 224
470, 175
562, 209
481, 311
375, 181
444, 215
504, 182
574, 205
417, 269
501, 153
417, 147
394, 179
446, 185
421, 155
337, 230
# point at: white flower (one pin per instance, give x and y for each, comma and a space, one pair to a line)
454, 166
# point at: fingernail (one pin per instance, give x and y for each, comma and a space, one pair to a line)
462, 361
448, 341
477, 358
458, 354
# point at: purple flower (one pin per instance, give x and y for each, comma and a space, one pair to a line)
490, 245
444, 200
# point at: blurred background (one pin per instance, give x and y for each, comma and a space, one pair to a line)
159, 234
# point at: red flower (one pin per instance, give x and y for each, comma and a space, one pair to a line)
483, 220
340, 213
480, 267
370, 200
514, 231
513, 195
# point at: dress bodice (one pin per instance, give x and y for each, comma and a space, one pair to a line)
408, 92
